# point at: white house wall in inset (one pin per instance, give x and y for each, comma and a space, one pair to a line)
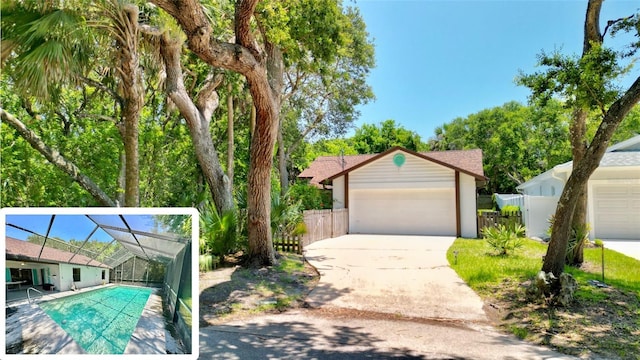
89, 276
51, 271
468, 217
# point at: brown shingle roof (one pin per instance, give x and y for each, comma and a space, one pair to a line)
24, 250
327, 167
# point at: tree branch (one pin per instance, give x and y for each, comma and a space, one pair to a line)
99, 85
244, 35
57, 159
610, 23
208, 99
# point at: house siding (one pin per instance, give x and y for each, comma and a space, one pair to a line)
415, 173
468, 218
339, 193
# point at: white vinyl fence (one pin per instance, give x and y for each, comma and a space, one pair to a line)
536, 211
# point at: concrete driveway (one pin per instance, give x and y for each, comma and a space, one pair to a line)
627, 247
405, 275
366, 280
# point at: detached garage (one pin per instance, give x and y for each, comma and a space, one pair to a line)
403, 192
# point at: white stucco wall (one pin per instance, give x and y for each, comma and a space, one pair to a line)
89, 276
468, 210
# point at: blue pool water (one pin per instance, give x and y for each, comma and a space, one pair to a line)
100, 321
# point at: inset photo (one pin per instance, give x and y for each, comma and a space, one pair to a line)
105, 281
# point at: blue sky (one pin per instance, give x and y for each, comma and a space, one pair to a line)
438, 60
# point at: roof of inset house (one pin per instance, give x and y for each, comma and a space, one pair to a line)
28, 251
329, 167
102, 239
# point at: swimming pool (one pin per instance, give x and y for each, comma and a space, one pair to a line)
100, 321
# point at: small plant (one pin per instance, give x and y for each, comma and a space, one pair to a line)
509, 209
218, 233
598, 243
504, 239
520, 332
208, 262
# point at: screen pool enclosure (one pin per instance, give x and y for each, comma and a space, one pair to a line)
62, 252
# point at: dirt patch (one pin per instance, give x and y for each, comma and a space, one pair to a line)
602, 325
235, 292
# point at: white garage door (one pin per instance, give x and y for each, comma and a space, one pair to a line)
617, 211
402, 212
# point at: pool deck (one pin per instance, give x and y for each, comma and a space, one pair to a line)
40, 334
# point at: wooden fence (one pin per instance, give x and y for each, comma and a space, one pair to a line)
291, 244
495, 218
325, 224
321, 224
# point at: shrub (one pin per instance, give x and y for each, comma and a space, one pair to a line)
208, 262
219, 234
509, 209
310, 197
286, 214
504, 239
598, 243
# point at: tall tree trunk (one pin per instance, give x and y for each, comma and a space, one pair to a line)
252, 120
230, 139
198, 118
264, 74
261, 250
582, 170
282, 163
133, 96
122, 179
578, 134
56, 159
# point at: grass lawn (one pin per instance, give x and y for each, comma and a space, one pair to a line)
602, 321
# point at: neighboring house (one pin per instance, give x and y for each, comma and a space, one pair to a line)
29, 264
403, 192
613, 207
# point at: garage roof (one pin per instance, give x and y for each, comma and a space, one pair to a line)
326, 168
102, 240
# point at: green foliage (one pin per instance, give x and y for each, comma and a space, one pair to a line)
371, 139
586, 81
518, 142
598, 243
300, 229
218, 233
208, 262
621, 271
285, 214
48, 47
482, 270
310, 197
579, 237
509, 209
504, 239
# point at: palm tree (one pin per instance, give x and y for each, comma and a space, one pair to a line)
47, 49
